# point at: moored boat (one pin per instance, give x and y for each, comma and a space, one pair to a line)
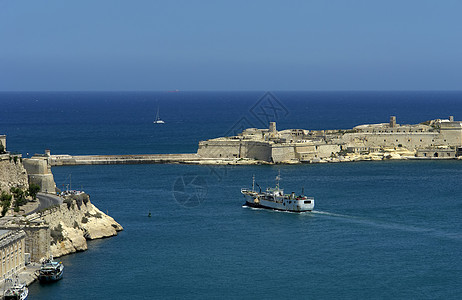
274, 198
14, 290
51, 271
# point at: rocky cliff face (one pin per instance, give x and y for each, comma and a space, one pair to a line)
76, 221
12, 173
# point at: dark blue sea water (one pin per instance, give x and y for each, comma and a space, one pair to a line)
381, 230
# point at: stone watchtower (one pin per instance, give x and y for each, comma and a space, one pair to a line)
393, 121
272, 129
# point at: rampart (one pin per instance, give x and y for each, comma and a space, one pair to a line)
39, 172
302, 145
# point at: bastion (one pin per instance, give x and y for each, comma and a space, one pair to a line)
440, 138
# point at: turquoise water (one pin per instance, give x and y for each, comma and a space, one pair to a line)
380, 230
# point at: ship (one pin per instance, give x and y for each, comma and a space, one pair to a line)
14, 290
51, 271
274, 198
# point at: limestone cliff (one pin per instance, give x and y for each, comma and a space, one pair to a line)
76, 221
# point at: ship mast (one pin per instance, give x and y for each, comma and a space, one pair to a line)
253, 183
277, 179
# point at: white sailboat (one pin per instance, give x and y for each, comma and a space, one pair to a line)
158, 120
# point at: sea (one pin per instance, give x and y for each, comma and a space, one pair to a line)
380, 230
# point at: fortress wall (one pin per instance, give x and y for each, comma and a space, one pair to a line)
37, 242
257, 150
407, 140
39, 172
12, 173
46, 182
282, 152
305, 153
452, 136
217, 149
35, 166
327, 150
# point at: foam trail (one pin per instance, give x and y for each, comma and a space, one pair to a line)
393, 226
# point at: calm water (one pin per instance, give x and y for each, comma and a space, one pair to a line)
380, 230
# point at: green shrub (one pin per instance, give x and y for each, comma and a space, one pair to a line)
33, 190
57, 233
5, 201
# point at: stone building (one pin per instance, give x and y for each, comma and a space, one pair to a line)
301, 145
12, 252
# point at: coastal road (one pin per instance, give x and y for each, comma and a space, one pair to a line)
47, 200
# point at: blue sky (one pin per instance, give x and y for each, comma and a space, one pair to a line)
230, 45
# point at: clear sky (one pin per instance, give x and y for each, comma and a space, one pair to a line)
230, 45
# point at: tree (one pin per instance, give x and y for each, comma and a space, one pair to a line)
5, 202
19, 196
33, 190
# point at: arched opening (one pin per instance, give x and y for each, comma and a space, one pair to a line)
436, 154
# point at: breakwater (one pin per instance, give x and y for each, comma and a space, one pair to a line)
72, 160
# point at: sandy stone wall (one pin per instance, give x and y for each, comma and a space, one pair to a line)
39, 171
12, 173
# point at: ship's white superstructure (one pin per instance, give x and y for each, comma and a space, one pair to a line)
274, 198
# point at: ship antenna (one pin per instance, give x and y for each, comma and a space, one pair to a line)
278, 178
253, 183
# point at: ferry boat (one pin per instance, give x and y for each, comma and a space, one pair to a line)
274, 198
51, 270
14, 290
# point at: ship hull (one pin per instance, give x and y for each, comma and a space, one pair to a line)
255, 205
280, 204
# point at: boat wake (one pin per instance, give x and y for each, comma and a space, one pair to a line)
392, 226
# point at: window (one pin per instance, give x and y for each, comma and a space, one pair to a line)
307, 201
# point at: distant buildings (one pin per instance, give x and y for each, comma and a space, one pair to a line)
435, 138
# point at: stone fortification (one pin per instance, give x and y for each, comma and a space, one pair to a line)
37, 240
64, 228
12, 173
39, 172
436, 139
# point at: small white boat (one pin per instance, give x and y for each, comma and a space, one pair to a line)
274, 198
14, 290
158, 120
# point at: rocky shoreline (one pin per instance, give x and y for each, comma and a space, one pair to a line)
76, 221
